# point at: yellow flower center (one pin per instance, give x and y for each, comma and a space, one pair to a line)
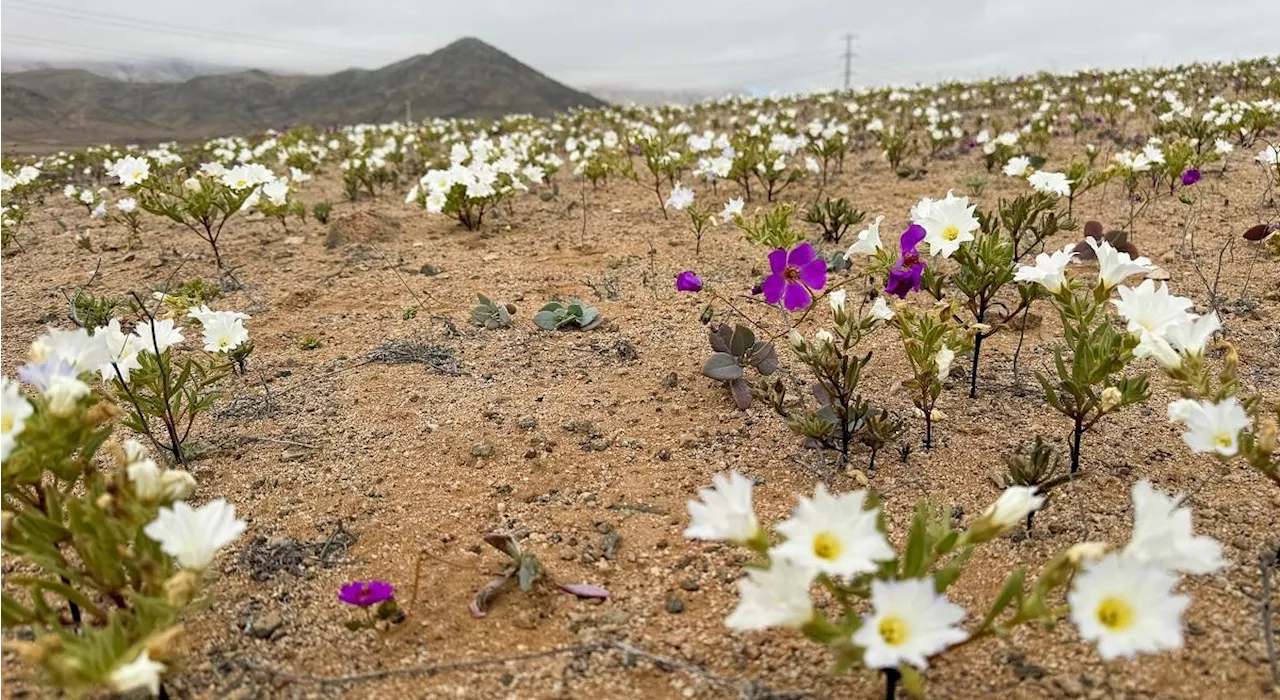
6, 424
1224, 440
894, 630
950, 233
1115, 614
826, 546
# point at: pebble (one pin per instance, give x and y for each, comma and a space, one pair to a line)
481, 450
675, 605
265, 626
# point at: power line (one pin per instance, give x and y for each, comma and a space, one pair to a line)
69, 47
148, 25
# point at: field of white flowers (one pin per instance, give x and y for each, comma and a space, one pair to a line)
961, 391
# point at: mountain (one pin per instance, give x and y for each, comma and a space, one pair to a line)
60, 107
165, 70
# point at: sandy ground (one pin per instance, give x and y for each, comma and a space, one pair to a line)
580, 449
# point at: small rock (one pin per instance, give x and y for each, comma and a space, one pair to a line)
293, 454
481, 450
265, 626
430, 270
664, 455
690, 585
1067, 686
671, 380
527, 423
675, 606
609, 548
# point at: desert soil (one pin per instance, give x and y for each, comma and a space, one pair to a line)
586, 448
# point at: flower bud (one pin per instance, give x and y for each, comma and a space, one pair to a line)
102, 412
1084, 552
181, 587
824, 337
837, 299
796, 340
981, 328
161, 647
176, 484
146, 478
105, 501
1267, 437
1111, 398
191, 185
64, 394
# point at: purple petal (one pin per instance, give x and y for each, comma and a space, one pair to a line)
801, 255
584, 590
797, 297
903, 281
778, 261
687, 281
911, 237
773, 288
814, 274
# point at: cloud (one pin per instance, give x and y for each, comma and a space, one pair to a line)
668, 44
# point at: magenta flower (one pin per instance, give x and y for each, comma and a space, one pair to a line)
688, 282
795, 277
1191, 176
905, 276
365, 594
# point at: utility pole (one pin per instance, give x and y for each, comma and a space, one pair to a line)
408, 116
848, 58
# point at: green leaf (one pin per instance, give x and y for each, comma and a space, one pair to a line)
1012, 591
722, 367
917, 544
911, 681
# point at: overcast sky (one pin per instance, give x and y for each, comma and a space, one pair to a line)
665, 44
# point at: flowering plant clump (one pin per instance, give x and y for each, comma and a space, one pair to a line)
163, 388
700, 216
112, 553
478, 179
202, 202
891, 611
366, 595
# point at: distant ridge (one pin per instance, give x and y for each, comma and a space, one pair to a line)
467, 78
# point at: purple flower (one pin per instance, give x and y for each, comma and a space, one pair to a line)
365, 594
795, 276
905, 276
1191, 176
688, 282
41, 374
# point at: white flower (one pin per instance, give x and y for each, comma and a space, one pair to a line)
140, 673
86, 196
947, 223
145, 476
533, 173
297, 175
194, 536
1017, 166
731, 209
131, 170
121, 351
1162, 534
1050, 183
99, 211
157, 336
1223, 146
1049, 270
224, 331
942, 360
1192, 333
133, 451
868, 240
1114, 266
835, 535
1211, 427
837, 299
127, 204
680, 197
725, 512
1268, 155
276, 192
880, 309
1127, 606
824, 337
1150, 310
63, 392
1012, 507
14, 412
435, 202
908, 623
773, 597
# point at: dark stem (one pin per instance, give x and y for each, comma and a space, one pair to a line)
1075, 445
973, 370
928, 429
75, 609
1017, 353
891, 678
